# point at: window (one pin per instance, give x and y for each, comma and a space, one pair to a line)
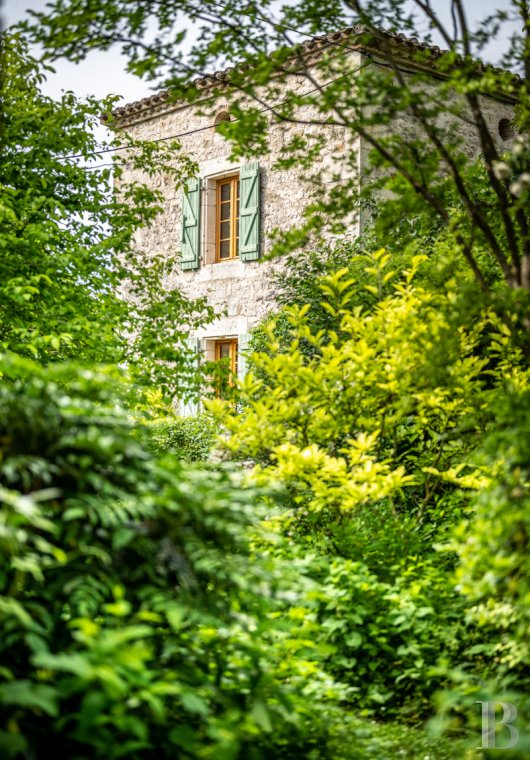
226, 352
506, 129
221, 218
227, 226
227, 349
227, 359
222, 116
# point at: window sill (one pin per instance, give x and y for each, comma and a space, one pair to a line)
221, 270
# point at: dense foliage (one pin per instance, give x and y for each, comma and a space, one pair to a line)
68, 243
189, 439
390, 441
132, 620
137, 618
360, 567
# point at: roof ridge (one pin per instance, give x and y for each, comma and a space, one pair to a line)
155, 103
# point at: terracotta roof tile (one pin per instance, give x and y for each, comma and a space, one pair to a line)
161, 101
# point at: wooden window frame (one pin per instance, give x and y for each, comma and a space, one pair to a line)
232, 343
234, 182
232, 357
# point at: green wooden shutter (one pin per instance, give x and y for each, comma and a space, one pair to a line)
249, 212
190, 407
242, 348
191, 212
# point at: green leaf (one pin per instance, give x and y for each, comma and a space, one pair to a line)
261, 716
194, 703
28, 694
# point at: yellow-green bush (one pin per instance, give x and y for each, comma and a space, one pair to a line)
371, 438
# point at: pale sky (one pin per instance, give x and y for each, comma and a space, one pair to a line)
102, 73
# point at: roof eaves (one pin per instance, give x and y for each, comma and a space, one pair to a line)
363, 41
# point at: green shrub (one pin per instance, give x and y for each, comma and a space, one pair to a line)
189, 439
493, 543
493, 573
134, 622
372, 437
386, 637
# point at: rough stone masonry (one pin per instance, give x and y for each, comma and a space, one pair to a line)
241, 292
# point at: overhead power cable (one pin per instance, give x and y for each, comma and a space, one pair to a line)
180, 134
332, 43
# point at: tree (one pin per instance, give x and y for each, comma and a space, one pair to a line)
68, 243
440, 94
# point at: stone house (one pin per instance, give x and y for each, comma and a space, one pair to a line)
217, 229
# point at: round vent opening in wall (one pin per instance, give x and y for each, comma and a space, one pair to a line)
506, 129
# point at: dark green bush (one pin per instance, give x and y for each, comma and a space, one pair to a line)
387, 637
190, 439
133, 621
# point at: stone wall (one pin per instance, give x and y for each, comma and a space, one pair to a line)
454, 119
242, 292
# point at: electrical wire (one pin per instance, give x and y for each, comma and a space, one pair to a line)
268, 108
181, 134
